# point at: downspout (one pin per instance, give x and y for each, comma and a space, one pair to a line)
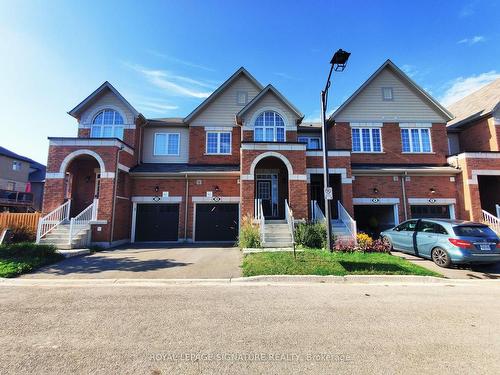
114, 195
186, 208
403, 189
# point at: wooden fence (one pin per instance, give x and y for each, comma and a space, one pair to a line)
9, 219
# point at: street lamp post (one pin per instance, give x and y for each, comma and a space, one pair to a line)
338, 63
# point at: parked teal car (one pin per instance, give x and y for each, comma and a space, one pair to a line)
445, 241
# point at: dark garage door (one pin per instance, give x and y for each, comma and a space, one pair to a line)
157, 222
216, 222
437, 212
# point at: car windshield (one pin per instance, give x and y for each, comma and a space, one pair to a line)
473, 231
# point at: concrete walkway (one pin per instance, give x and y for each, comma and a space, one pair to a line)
455, 272
151, 261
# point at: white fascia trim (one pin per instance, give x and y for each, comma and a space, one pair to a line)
54, 175
293, 177
415, 124
123, 167
427, 201
150, 199
108, 175
374, 200
341, 171
211, 199
273, 146
89, 126
90, 142
218, 128
330, 153
366, 124
482, 172
475, 155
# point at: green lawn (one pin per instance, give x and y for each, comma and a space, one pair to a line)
17, 259
319, 262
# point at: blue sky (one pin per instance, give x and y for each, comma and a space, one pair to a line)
166, 56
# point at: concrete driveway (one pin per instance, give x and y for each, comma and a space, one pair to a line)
458, 271
150, 261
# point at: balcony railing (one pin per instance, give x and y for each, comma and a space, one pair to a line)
15, 198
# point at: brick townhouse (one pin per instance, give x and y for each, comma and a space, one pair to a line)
246, 151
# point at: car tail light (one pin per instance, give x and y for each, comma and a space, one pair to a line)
461, 243
498, 245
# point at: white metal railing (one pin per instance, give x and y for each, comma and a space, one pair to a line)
348, 221
50, 221
82, 220
259, 216
316, 213
290, 221
497, 206
492, 221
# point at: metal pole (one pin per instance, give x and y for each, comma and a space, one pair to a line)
326, 181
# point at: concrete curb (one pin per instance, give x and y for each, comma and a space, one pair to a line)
247, 281
73, 253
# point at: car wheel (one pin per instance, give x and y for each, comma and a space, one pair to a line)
441, 257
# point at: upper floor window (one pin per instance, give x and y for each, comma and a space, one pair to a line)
218, 142
16, 165
312, 143
387, 93
167, 144
416, 140
107, 124
241, 97
366, 139
269, 127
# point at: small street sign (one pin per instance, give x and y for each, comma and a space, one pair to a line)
329, 193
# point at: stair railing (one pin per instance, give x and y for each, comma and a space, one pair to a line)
52, 220
291, 222
259, 216
348, 221
316, 214
82, 220
492, 221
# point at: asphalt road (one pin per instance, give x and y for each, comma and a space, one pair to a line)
104, 328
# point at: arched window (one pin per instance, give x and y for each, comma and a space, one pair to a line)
269, 127
107, 124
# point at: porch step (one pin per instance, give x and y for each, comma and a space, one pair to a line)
340, 231
59, 237
277, 234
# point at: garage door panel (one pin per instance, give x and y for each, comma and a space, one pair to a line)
157, 222
430, 211
217, 222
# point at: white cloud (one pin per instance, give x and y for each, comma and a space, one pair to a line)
157, 107
410, 70
473, 40
463, 86
174, 84
180, 61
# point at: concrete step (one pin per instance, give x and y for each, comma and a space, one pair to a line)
278, 238
276, 222
277, 244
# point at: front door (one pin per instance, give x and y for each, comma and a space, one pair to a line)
264, 193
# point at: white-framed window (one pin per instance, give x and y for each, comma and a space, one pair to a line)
269, 127
387, 93
167, 144
218, 142
241, 97
312, 143
366, 139
16, 165
11, 185
108, 123
416, 140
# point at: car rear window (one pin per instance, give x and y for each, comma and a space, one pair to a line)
474, 231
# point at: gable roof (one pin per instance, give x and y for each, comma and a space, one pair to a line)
269, 88
75, 112
13, 155
399, 73
478, 104
38, 173
221, 89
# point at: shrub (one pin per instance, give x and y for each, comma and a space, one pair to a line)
249, 234
311, 235
26, 249
20, 233
365, 244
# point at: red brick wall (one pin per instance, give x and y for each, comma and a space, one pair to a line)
197, 147
83, 133
417, 187
339, 137
291, 136
483, 135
